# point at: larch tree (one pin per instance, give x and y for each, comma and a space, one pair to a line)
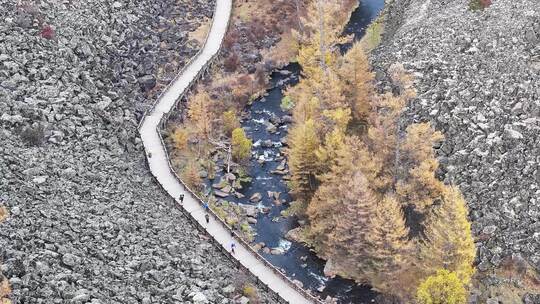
354, 70
230, 121
417, 184
388, 247
180, 137
448, 242
200, 114
190, 175
303, 143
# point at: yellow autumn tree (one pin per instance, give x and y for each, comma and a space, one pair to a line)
180, 137
200, 114
448, 242
417, 184
241, 145
388, 247
190, 175
354, 70
445, 287
303, 143
230, 121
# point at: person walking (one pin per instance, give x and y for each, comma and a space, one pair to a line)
181, 198
233, 245
206, 207
207, 217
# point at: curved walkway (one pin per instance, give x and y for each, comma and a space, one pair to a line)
160, 166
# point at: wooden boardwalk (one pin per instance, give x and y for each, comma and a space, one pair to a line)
160, 166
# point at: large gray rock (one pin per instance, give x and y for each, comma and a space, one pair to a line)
477, 82
88, 223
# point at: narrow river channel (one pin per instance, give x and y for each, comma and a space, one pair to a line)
266, 124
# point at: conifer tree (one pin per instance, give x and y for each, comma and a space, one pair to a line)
303, 143
354, 70
448, 240
190, 175
388, 247
417, 184
200, 114
230, 121
180, 138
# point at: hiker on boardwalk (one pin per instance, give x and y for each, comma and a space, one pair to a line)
181, 198
205, 205
233, 245
207, 217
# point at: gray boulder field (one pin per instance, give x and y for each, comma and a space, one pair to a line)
87, 223
478, 80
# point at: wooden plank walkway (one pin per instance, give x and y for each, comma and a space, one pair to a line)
160, 165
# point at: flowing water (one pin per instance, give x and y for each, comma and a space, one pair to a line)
297, 260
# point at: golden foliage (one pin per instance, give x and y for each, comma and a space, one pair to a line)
449, 243
230, 121
180, 138
241, 145
303, 143
200, 114
190, 175
445, 287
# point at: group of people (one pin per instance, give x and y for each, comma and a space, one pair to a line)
206, 217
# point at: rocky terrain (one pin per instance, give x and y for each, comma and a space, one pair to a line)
87, 223
478, 81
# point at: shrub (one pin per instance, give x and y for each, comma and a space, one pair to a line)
443, 288
250, 292
180, 138
231, 63
47, 32
287, 103
241, 145
475, 5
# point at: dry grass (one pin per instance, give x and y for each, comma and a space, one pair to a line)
373, 35
200, 33
284, 51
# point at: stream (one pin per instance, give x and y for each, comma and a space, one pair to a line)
297, 260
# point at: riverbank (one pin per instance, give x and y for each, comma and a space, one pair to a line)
258, 197
477, 81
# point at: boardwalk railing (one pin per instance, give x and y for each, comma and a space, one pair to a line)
162, 123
